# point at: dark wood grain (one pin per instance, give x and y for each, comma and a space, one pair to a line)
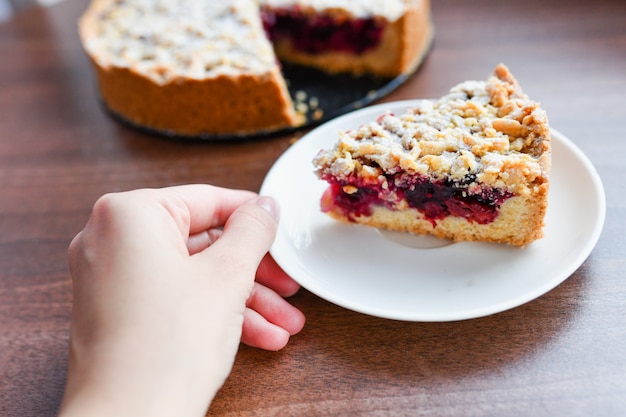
563, 354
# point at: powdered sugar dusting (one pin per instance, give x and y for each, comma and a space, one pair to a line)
165, 39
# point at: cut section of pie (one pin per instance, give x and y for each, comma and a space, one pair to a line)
473, 165
386, 38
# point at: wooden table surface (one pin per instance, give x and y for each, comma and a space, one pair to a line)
563, 354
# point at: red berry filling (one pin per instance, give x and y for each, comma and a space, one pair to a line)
435, 200
322, 33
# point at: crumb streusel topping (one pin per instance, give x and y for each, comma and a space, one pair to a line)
166, 39
389, 9
489, 129
199, 39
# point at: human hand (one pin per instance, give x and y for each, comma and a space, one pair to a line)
162, 299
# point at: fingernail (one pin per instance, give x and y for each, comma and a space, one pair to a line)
270, 205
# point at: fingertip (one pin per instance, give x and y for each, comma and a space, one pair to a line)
250, 230
296, 322
270, 205
275, 309
258, 332
272, 276
290, 288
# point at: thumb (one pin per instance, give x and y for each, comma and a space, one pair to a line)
248, 234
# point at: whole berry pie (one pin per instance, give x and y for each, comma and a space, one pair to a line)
191, 68
473, 165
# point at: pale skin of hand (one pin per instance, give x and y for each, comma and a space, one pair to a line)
164, 291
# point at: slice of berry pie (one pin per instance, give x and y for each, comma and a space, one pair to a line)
473, 165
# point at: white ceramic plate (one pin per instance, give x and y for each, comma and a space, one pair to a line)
405, 277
